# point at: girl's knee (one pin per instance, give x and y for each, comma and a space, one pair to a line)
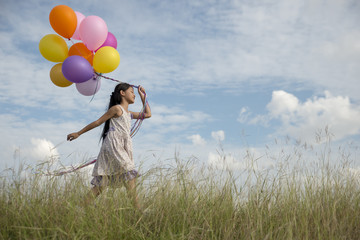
96, 190
131, 184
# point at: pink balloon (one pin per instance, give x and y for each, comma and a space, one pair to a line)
93, 32
90, 87
110, 41
79, 17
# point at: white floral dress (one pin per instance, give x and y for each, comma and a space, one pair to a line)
115, 161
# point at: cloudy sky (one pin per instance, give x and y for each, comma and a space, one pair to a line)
220, 76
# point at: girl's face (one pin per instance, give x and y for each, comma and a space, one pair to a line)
129, 95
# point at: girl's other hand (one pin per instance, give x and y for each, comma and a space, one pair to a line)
141, 90
72, 136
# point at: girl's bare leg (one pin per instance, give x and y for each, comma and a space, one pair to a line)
131, 190
92, 194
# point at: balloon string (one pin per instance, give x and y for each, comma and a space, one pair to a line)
112, 79
60, 173
134, 130
77, 49
96, 88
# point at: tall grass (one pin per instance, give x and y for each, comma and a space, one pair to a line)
185, 201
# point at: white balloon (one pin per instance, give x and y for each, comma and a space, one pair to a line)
89, 87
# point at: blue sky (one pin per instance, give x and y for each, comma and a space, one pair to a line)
243, 73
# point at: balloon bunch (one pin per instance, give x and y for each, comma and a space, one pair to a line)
85, 61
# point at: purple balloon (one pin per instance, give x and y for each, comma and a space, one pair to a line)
77, 69
110, 41
89, 87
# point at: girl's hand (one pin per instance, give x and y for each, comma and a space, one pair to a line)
141, 91
72, 136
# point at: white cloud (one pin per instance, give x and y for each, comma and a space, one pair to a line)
282, 102
43, 150
354, 172
32, 139
244, 115
197, 139
303, 120
218, 135
172, 119
225, 162
228, 43
39, 150
277, 40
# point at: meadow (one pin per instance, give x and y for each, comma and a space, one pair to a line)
294, 199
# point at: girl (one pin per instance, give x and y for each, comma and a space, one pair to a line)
115, 164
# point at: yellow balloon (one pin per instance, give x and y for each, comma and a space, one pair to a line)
53, 48
57, 77
106, 60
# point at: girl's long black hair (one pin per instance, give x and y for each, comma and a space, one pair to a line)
115, 99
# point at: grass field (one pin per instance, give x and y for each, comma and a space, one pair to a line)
185, 201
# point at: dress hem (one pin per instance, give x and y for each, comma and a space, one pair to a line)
106, 180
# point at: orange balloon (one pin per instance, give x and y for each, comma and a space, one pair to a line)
63, 20
81, 50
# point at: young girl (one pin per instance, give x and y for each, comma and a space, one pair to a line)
115, 163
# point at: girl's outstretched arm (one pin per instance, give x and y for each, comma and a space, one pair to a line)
147, 113
112, 112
